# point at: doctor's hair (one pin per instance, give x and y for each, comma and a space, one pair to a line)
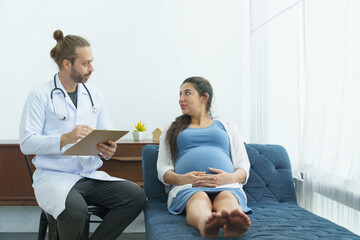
202, 86
65, 47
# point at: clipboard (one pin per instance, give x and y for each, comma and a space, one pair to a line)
87, 145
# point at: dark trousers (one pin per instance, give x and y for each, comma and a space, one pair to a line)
125, 200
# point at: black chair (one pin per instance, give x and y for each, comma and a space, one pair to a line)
48, 220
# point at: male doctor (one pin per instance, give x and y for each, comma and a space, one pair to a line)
55, 116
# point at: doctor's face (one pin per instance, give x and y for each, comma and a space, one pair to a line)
82, 67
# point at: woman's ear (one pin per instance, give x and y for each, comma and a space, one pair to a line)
204, 97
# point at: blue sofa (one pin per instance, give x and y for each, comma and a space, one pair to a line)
270, 193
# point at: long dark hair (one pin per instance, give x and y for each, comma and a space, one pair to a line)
202, 86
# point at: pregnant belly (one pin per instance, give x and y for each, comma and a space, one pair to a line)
201, 158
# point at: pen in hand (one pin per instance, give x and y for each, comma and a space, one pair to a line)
79, 132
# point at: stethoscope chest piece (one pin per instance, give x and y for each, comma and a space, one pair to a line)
94, 110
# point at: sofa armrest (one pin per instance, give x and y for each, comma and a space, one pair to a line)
154, 189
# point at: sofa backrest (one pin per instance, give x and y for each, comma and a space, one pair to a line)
270, 174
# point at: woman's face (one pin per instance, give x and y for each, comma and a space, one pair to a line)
190, 101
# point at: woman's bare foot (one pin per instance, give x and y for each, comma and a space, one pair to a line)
238, 223
211, 227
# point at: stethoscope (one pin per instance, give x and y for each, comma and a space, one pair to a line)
93, 109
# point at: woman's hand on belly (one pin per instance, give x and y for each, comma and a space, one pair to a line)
173, 178
194, 176
213, 180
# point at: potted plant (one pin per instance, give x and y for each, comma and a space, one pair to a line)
139, 132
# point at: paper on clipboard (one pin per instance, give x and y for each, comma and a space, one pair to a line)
87, 145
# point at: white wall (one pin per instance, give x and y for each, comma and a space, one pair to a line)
143, 50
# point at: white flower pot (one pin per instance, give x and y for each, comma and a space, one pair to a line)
138, 135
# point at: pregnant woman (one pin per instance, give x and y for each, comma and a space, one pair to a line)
203, 164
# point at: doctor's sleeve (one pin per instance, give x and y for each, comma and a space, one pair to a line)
31, 126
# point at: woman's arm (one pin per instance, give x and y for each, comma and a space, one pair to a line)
238, 151
240, 175
164, 162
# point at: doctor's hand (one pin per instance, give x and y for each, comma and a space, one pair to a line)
107, 150
79, 132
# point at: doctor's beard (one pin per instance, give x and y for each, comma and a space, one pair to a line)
78, 77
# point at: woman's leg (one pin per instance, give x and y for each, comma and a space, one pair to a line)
200, 216
238, 222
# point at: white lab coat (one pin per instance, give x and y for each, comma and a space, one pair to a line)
40, 133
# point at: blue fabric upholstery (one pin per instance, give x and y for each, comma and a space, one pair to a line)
270, 192
270, 174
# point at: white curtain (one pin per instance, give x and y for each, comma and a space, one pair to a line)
306, 97
330, 142
275, 112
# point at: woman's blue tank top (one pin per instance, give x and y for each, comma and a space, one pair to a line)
201, 148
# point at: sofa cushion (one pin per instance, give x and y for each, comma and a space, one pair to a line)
270, 174
270, 220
